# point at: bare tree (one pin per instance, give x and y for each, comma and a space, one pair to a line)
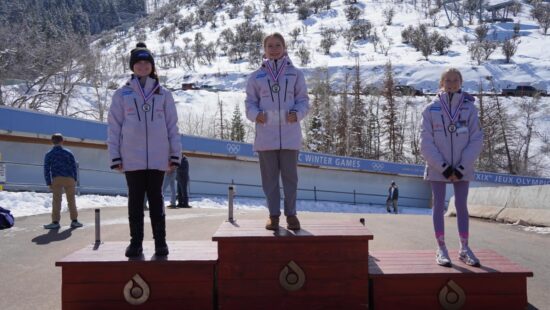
509, 48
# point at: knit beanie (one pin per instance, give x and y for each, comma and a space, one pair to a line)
141, 53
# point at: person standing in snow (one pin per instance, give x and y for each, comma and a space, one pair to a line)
451, 141
277, 100
393, 196
60, 174
144, 143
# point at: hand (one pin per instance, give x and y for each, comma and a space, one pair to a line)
172, 168
261, 119
447, 173
292, 117
453, 178
118, 168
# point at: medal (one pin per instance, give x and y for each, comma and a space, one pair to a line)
146, 107
276, 88
452, 117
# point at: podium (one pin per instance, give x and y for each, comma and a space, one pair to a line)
321, 266
325, 265
412, 280
103, 278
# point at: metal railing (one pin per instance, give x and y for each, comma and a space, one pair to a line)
355, 197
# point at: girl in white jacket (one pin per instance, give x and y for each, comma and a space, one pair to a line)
451, 141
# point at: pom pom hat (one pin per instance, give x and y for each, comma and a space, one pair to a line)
141, 53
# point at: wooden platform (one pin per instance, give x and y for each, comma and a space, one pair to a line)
412, 280
321, 266
104, 278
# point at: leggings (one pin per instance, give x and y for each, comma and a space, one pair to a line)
461, 198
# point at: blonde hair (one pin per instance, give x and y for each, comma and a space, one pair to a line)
275, 35
449, 71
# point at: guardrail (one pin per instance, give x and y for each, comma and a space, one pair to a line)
316, 193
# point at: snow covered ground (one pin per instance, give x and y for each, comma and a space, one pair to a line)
30, 203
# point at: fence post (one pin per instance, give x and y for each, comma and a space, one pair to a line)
230, 194
97, 230
315, 193
354, 197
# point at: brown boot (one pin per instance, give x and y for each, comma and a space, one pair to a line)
292, 222
272, 223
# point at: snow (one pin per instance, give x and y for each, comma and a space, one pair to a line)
31, 203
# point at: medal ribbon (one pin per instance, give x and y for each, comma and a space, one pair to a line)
451, 116
145, 98
281, 69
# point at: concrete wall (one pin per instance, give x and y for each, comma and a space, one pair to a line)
210, 175
529, 205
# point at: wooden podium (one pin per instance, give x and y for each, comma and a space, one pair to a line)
325, 265
412, 280
104, 278
321, 266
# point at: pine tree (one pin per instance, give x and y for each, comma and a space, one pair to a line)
357, 130
315, 132
237, 126
390, 115
342, 126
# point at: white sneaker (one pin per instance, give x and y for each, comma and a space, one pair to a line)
442, 258
467, 257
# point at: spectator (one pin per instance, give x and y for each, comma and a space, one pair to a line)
393, 195
183, 181
60, 174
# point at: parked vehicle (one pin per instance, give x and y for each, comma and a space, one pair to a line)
523, 91
406, 90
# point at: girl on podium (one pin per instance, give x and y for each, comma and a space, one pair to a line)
277, 100
144, 143
451, 141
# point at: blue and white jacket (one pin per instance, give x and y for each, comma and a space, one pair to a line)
59, 162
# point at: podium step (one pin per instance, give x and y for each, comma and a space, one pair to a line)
103, 278
411, 279
321, 266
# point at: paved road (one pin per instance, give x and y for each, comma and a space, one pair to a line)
30, 280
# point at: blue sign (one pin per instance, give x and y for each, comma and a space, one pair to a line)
17, 120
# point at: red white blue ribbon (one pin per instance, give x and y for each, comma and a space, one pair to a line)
281, 69
448, 110
145, 98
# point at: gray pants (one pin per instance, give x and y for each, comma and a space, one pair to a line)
285, 164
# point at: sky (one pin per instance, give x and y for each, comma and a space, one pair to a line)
31, 203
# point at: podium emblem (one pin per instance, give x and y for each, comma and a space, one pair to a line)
451, 296
292, 277
136, 291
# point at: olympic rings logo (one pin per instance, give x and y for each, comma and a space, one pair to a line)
377, 166
233, 148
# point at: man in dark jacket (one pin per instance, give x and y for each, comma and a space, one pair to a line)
393, 195
60, 174
182, 176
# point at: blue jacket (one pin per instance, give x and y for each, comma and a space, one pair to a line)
59, 162
143, 135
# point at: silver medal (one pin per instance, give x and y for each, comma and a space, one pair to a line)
452, 128
146, 107
275, 88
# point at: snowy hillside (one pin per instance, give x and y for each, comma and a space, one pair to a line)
214, 45
529, 66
